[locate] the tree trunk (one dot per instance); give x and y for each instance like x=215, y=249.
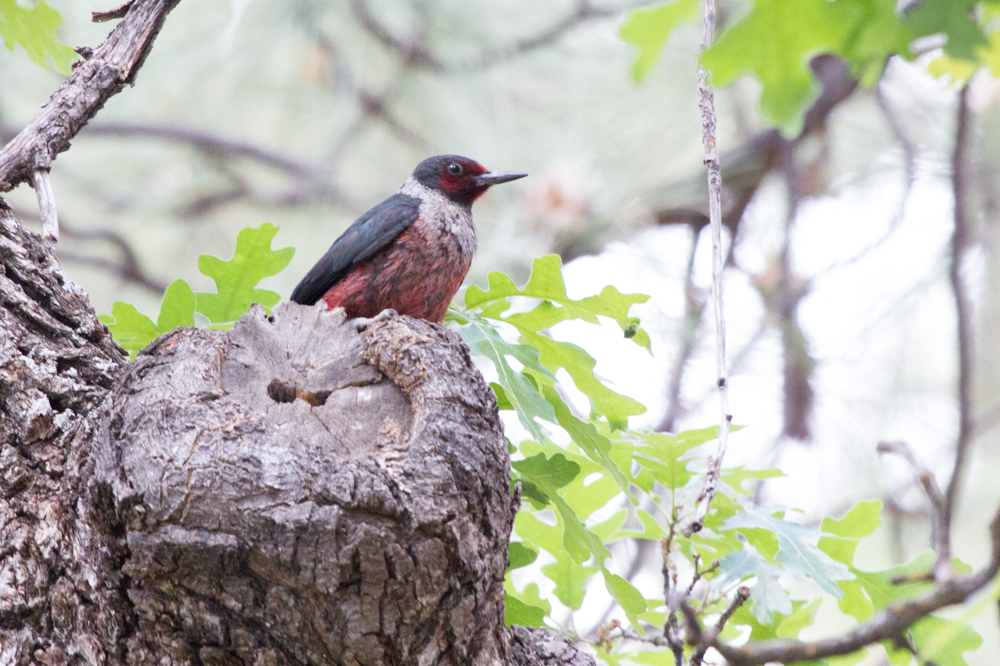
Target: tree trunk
x=303, y=489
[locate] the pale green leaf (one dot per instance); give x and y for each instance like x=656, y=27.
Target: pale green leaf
x=797, y=551
x=177, y=307
x=649, y=29
x=236, y=279
x=34, y=28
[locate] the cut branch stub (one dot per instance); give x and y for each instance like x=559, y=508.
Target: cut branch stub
x=369, y=527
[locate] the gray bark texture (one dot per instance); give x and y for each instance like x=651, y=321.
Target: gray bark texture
x=303, y=489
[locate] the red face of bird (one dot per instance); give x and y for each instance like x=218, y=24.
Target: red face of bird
x=461, y=179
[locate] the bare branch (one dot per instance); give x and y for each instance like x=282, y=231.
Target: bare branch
x=706, y=101
x=698, y=655
x=215, y=145
x=128, y=267
x=888, y=624
x=963, y=308
x=694, y=307
x=910, y=157
x=416, y=54
x=114, y=64
x=940, y=537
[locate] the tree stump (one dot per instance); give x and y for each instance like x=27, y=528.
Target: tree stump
x=303, y=489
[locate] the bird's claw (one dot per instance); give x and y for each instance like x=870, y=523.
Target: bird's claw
x=361, y=323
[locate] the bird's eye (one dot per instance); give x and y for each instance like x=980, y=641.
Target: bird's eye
x=455, y=169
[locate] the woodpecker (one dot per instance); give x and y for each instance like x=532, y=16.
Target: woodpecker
x=411, y=252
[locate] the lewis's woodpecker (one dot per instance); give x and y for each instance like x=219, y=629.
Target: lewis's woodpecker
x=411, y=252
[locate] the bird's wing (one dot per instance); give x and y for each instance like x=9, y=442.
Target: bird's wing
x=369, y=234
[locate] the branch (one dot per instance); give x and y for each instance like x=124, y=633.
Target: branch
x=694, y=307
x=416, y=54
x=127, y=268
x=959, y=240
x=706, y=101
x=888, y=624
x=910, y=157
x=113, y=64
x=940, y=536
x=215, y=145
x=696, y=637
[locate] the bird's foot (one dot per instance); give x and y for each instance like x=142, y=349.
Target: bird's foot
x=361, y=323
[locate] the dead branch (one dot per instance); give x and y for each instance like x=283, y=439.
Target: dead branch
x=706, y=102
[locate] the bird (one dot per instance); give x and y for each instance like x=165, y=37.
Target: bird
x=409, y=253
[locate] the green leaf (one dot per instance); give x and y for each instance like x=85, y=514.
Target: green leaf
x=484, y=340
x=568, y=575
x=796, y=552
x=34, y=28
x=549, y=474
x=768, y=595
x=629, y=598
x=586, y=436
x=556, y=355
x=650, y=528
x=177, y=307
x=649, y=29
x=774, y=42
x=875, y=33
x=526, y=614
x=130, y=328
x=546, y=283
x=520, y=555
x=859, y=522
x=734, y=477
x=945, y=642
x=236, y=279
x=953, y=18
x=660, y=453
x=503, y=402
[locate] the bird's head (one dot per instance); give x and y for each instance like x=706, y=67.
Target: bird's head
x=460, y=179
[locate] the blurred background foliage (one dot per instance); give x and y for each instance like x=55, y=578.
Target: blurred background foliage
x=303, y=113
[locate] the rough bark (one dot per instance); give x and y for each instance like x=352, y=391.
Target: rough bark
x=303, y=489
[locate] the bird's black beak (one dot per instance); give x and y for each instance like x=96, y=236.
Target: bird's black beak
x=496, y=177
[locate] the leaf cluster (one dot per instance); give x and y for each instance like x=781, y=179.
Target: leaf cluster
x=236, y=290
x=775, y=40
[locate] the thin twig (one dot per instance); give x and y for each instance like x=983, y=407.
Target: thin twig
x=694, y=307
x=963, y=308
x=706, y=101
x=940, y=537
x=910, y=158
x=46, y=206
x=889, y=623
x=698, y=654
x=128, y=267
x=416, y=54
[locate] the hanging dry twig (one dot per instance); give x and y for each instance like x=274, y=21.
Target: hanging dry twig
x=706, y=102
